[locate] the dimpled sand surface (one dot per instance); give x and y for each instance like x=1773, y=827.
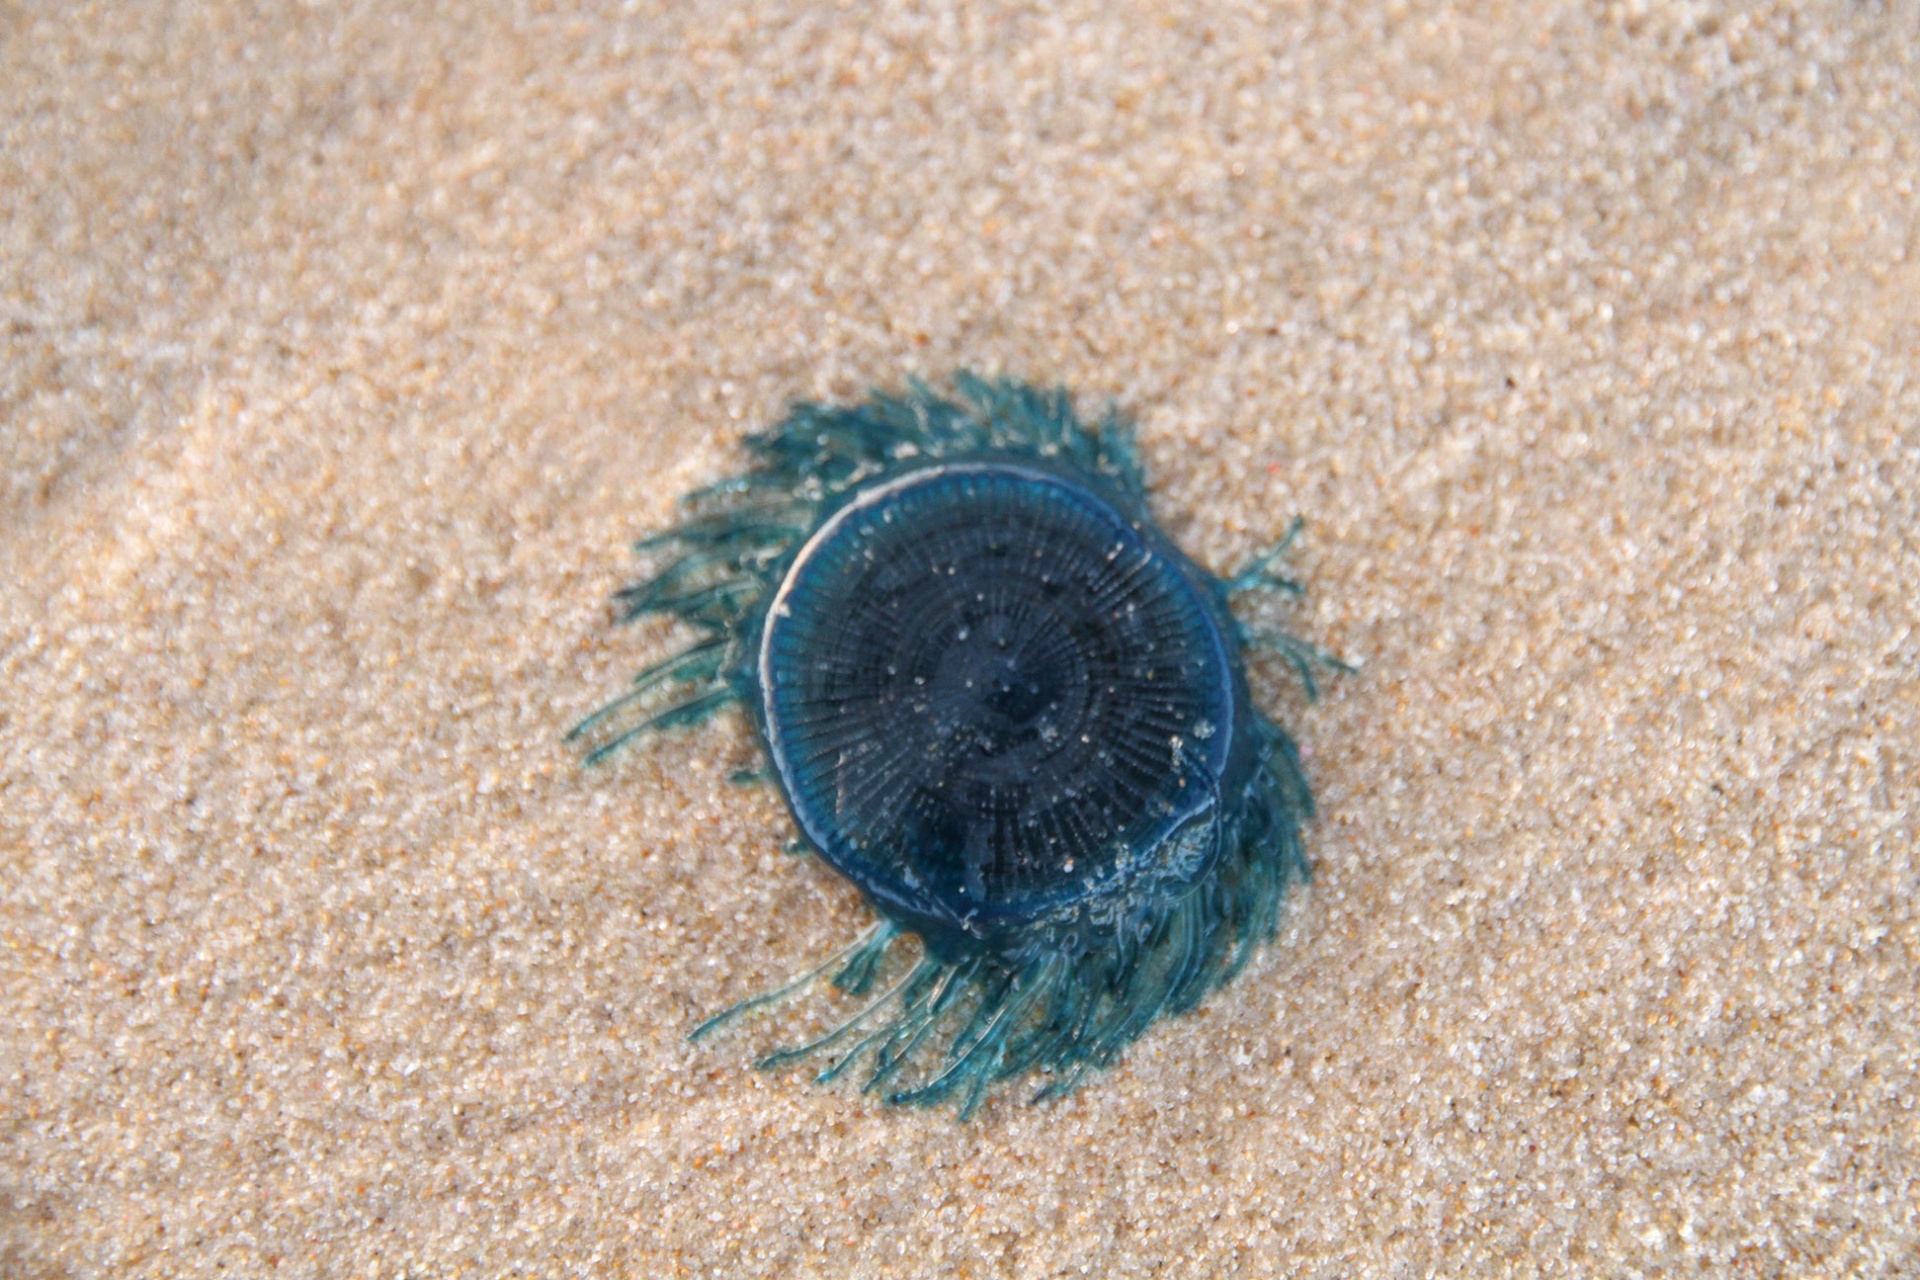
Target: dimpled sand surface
x=342, y=351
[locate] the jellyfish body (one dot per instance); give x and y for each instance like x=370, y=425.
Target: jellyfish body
x=1004, y=706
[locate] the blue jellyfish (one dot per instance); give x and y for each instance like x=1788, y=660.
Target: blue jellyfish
x=999, y=701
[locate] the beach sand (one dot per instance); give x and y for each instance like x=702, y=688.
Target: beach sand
x=343, y=351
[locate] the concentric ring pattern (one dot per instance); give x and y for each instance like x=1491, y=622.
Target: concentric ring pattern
x=985, y=686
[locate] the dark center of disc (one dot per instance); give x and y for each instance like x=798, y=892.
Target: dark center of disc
x=985, y=690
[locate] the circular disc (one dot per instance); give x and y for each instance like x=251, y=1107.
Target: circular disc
x=987, y=692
